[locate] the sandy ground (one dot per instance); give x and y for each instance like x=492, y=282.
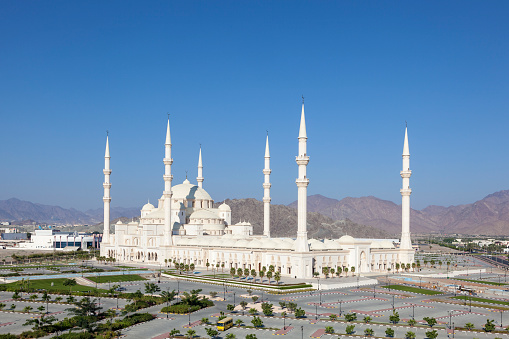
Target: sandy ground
x=7, y=253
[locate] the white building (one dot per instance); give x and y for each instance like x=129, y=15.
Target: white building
x=56, y=240
x=185, y=226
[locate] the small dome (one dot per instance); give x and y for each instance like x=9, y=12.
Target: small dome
x=119, y=222
x=224, y=207
x=148, y=207
x=346, y=239
x=317, y=246
x=186, y=181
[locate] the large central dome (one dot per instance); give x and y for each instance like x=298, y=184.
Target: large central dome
x=188, y=191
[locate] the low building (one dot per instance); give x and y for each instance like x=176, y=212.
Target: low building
x=56, y=240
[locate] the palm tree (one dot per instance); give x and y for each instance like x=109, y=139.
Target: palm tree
x=353, y=270
x=261, y=274
x=253, y=273
x=346, y=271
x=269, y=276
x=277, y=277
x=70, y=283
x=339, y=271
x=232, y=272
x=239, y=272
x=332, y=272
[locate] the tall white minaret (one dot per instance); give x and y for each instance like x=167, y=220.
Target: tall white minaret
x=200, y=178
x=302, y=183
x=106, y=197
x=266, y=191
x=167, y=187
x=406, y=243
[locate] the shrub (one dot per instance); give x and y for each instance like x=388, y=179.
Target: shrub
x=389, y=332
x=329, y=329
x=369, y=332
x=432, y=334
x=410, y=335
x=257, y=322
x=350, y=329
x=351, y=317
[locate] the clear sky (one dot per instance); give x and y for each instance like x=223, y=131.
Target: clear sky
x=227, y=71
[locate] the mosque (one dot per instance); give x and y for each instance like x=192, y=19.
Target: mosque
x=186, y=227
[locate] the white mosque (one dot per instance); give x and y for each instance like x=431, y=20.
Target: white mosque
x=186, y=227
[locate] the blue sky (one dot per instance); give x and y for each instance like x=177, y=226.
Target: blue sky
x=227, y=71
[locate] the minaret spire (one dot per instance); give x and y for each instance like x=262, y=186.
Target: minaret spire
x=200, y=178
x=106, y=197
x=266, y=190
x=406, y=243
x=302, y=183
x=168, y=161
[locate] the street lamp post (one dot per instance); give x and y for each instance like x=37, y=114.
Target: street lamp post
x=302, y=332
x=374, y=292
x=470, y=304
x=413, y=311
x=284, y=321
x=233, y=298
x=117, y=300
x=340, y=312
x=420, y=282
x=501, y=323
x=189, y=318
x=316, y=314
x=453, y=330
x=450, y=318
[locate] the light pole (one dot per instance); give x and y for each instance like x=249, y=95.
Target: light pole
x=501, y=312
x=233, y=298
x=189, y=318
x=302, y=332
x=316, y=314
x=374, y=292
x=453, y=330
x=393, y=302
x=420, y=282
x=117, y=300
x=284, y=320
x=450, y=318
x=470, y=304
x=413, y=311
x=340, y=312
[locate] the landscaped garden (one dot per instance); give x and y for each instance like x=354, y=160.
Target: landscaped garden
x=116, y=278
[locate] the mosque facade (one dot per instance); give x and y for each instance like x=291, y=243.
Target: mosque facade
x=187, y=228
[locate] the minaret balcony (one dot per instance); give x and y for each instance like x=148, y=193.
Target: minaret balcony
x=168, y=177
x=107, y=185
x=267, y=185
x=266, y=200
x=106, y=171
x=302, y=160
x=302, y=182
x=406, y=174
x=267, y=171
x=168, y=161
x=106, y=199
x=405, y=191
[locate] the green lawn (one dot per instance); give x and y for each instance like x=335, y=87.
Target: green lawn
x=482, y=282
x=483, y=300
x=132, y=268
x=58, y=284
x=412, y=289
x=116, y=278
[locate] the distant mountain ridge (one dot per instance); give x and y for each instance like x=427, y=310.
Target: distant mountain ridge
x=489, y=216
x=15, y=210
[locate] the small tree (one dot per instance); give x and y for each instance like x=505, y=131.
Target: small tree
x=239, y=322
x=213, y=294
x=254, y=298
x=243, y=304
x=257, y=322
x=269, y=276
x=253, y=274
x=300, y=313
x=369, y=332
x=2, y=305
x=261, y=274
x=430, y=320
x=389, y=332
x=211, y=332
x=339, y=271
x=230, y=336
x=27, y=309
x=346, y=271
x=394, y=318
x=469, y=326
x=239, y=272
x=40, y=309
x=191, y=333
x=350, y=329
x=253, y=311
x=208, y=265
x=431, y=334
x=351, y=317
x=232, y=272
x=397, y=267
x=332, y=271
x=174, y=332
x=489, y=326
x=410, y=335
x=251, y=336
x=70, y=283
x=367, y=319
x=333, y=317
x=204, y=320
x=329, y=329
x=267, y=309
x=353, y=270
x=411, y=322
x=230, y=307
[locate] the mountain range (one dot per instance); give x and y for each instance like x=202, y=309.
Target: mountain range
x=488, y=216
x=327, y=217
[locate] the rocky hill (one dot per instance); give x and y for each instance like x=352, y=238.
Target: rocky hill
x=283, y=221
x=489, y=216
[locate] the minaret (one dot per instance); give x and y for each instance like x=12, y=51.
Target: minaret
x=200, y=178
x=266, y=191
x=167, y=187
x=406, y=243
x=302, y=183
x=106, y=197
